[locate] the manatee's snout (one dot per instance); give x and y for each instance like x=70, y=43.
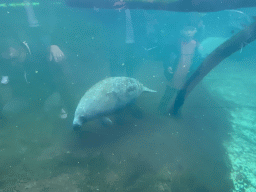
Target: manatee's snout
x=76, y=127
x=78, y=122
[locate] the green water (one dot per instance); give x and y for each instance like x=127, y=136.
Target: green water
x=202, y=150
x=153, y=153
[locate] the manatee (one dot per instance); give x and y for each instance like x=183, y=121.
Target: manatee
x=106, y=97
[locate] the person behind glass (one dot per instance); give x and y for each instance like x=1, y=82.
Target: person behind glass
x=58, y=68
x=55, y=53
x=35, y=39
x=12, y=57
x=179, y=68
x=123, y=59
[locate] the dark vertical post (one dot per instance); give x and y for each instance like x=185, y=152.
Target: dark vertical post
x=229, y=47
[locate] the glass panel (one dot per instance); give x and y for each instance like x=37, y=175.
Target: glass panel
x=130, y=95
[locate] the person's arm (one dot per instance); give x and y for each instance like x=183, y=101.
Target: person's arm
x=34, y=25
x=44, y=35
x=171, y=54
x=170, y=62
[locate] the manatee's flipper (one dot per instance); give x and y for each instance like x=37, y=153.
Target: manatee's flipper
x=148, y=90
x=229, y=47
x=105, y=121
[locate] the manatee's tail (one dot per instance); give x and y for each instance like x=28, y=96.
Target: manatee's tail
x=148, y=90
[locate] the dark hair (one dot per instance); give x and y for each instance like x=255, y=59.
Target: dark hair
x=9, y=42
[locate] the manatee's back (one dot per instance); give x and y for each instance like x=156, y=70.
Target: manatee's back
x=127, y=89
x=99, y=99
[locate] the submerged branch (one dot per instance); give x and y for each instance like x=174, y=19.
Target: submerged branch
x=229, y=47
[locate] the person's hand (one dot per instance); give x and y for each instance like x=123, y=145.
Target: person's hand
x=56, y=54
x=169, y=69
x=120, y=5
x=5, y=80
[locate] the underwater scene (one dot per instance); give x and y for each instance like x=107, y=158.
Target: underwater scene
x=127, y=95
